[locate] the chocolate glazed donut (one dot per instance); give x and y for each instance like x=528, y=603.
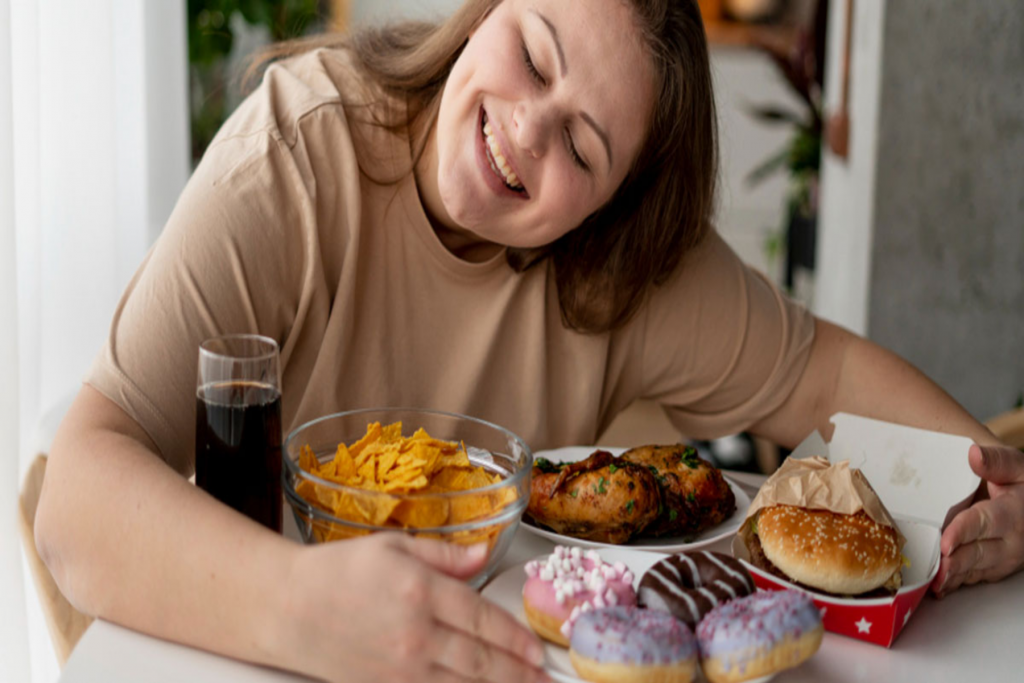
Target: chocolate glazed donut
x=689, y=585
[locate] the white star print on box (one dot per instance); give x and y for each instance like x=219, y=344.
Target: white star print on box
x=863, y=626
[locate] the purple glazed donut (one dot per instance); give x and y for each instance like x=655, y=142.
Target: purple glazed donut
x=758, y=635
x=632, y=645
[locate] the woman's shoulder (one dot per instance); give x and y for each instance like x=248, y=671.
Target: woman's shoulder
x=311, y=109
x=291, y=90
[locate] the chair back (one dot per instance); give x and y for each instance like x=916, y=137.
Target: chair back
x=1009, y=427
x=65, y=623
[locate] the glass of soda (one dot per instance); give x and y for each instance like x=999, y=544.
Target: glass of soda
x=238, y=425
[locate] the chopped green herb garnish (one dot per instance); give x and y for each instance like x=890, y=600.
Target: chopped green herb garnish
x=629, y=506
x=574, y=493
x=546, y=466
x=689, y=457
x=661, y=509
x=690, y=497
x=672, y=514
x=654, y=470
x=612, y=469
x=600, y=485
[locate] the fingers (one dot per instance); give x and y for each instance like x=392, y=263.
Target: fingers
x=455, y=560
x=972, y=563
x=997, y=464
x=471, y=658
x=987, y=519
x=978, y=556
x=459, y=607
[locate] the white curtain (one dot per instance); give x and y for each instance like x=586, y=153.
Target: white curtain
x=13, y=640
x=94, y=150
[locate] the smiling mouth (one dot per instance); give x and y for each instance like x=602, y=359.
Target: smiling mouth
x=498, y=163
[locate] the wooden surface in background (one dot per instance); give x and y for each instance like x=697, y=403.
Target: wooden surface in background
x=341, y=16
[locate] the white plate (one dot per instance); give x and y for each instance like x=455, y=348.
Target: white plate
x=506, y=591
x=667, y=544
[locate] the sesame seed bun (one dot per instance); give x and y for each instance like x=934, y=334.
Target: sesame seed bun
x=835, y=553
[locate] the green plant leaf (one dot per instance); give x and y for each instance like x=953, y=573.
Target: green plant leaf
x=771, y=114
x=768, y=167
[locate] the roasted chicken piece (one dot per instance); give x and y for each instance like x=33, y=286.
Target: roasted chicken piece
x=694, y=494
x=601, y=498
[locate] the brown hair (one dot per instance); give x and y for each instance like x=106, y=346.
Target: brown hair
x=604, y=268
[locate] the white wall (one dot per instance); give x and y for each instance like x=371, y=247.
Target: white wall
x=749, y=216
x=367, y=11
x=846, y=215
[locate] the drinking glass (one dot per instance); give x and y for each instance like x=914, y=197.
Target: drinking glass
x=238, y=425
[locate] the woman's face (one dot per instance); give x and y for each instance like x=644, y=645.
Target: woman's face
x=540, y=120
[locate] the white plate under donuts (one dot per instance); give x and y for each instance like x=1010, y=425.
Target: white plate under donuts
x=506, y=590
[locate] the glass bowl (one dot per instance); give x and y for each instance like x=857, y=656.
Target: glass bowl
x=327, y=511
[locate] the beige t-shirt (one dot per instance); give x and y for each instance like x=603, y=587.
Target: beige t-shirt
x=284, y=230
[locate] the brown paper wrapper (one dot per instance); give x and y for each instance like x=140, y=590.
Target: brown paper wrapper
x=817, y=484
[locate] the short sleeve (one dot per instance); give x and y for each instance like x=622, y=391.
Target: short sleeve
x=723, y=347
x=231, y=259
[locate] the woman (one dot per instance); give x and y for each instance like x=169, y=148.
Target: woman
x=505, y=216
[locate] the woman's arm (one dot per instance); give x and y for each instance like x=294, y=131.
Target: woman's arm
x=850, y=374
x=847, y=373
x=129, y=540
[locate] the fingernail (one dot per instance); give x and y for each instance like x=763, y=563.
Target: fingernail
x=536, y=654
x=477, y=552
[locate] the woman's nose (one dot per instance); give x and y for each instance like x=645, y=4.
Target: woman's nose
x=530, y=127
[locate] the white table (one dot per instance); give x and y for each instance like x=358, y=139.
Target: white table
x=974, y=635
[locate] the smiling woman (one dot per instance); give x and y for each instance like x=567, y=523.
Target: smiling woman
x=602, y=113
x=506, y=215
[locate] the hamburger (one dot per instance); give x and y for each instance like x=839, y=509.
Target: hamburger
x=840, y=554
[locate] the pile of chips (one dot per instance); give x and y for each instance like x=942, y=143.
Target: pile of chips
x=384, y=465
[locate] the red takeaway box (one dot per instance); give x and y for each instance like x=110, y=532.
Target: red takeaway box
x=923, y=479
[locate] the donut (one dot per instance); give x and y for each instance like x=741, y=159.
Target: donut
x=633, y=645
x=568, y=583
x=758, y=635
x=691, y=584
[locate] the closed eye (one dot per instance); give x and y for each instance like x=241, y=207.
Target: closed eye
x=530, y=67
x=573, y=154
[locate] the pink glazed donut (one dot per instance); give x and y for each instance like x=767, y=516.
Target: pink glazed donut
x=570, y=582
x=758, y=635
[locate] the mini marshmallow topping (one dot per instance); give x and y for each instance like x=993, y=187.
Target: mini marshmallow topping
x=568, y=571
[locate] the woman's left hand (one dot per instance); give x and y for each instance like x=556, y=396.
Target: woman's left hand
x=985, y=542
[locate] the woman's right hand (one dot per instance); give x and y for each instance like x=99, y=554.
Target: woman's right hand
x=389, y=607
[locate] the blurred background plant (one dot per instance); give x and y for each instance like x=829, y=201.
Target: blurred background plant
x=221, y=33
x=801, y=62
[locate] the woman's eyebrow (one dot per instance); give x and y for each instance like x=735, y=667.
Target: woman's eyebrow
x=564, y=70
x=558, y=43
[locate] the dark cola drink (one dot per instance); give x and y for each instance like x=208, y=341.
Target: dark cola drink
x=238, y=448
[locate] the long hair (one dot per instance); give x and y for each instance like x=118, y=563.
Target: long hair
x=605, y=268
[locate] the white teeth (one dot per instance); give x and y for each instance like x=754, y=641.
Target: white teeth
x=499, y=162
